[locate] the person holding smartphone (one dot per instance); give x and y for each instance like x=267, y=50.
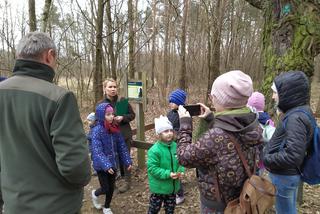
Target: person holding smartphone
x=221, y=172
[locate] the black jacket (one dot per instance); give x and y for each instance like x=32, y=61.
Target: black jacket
x=173, y=117
x=295, y=135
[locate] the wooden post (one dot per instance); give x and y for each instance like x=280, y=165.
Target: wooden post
x=125, y=84
x=144, y=92
x=140, y=123
x=140, y=134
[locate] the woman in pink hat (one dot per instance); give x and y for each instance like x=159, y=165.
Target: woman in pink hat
x=221, y=172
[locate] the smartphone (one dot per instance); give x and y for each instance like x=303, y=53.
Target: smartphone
x=194, y=109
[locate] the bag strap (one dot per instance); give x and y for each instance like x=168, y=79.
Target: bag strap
x=311, y=118
x=242, y=158
x=244, y=162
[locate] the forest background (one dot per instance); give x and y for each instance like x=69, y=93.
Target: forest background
x=176, y=43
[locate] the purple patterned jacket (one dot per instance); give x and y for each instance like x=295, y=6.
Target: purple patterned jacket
x=214, y=154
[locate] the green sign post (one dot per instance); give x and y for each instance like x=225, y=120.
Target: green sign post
x=136, y=92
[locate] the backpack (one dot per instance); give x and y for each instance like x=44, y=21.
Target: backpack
x=257, y=194
x=310, y=170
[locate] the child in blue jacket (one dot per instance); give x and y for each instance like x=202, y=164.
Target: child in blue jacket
x=106, y=145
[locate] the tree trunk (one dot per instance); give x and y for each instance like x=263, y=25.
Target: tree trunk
x=166, y=65
x=214, y=63
x=291, y=37
x=154, y=32
x=97, y=82
x=45, y=15
x=32, y=16
x=131, y=40
x=111, y=42
x=213, y=55
x=182, y=74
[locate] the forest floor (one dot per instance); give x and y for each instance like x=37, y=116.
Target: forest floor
x=136, y=199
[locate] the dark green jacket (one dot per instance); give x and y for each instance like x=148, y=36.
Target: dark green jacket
x=43, y=150
x=162, y=160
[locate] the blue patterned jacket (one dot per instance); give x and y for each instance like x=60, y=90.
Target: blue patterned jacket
x=105, y=147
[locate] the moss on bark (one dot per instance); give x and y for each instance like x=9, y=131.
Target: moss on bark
x=291, y=40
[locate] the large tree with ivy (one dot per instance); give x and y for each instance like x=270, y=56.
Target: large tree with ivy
x=291, y=36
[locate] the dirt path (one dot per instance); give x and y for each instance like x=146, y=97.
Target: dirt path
x=136, y=199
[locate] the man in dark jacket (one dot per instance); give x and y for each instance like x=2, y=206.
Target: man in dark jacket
x=284, y=154
x=1, y=201
x=124, y=115
x=43, y=151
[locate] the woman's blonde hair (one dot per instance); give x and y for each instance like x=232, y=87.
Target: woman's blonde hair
x=108, y=80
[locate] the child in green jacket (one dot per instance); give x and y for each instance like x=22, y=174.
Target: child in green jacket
x=164, y=170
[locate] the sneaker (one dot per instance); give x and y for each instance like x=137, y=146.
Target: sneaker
x=179, y=200
x=107, y=211
x=95, y=201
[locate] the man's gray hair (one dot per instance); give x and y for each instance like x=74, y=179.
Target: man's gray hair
x=32, y=46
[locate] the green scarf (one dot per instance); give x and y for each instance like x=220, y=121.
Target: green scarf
x=243, y=110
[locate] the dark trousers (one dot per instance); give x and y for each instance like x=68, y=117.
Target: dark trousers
x=180, y=193
x=156, y=200
x=106, y=181
x=123, y=169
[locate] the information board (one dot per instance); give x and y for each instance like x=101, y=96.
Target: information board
x=135, y=90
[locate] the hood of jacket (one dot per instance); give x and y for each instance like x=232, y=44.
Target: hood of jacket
x=244, y=125
x=101, y=111
x=293, y=90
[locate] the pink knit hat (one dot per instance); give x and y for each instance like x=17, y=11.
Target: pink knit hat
x=257, y=101
x=109, y=109
x=232, y=89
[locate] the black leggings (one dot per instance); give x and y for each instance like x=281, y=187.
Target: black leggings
x=106, y=181
x=155, y=203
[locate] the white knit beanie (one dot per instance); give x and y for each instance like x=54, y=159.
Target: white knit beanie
x=91, y=116
x=162, y=124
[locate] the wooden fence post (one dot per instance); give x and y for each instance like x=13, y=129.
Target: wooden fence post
x=140, y=134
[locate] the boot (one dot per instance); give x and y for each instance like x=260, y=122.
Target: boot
x=126, y=184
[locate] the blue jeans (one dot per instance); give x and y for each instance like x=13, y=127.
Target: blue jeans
x=287, y=186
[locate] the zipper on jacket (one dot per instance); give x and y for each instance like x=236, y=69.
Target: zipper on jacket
x=174, y=186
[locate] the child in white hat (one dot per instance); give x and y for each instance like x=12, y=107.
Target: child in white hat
x=164, y=170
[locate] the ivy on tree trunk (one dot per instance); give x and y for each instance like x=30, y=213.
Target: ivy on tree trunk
x=291, y=37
